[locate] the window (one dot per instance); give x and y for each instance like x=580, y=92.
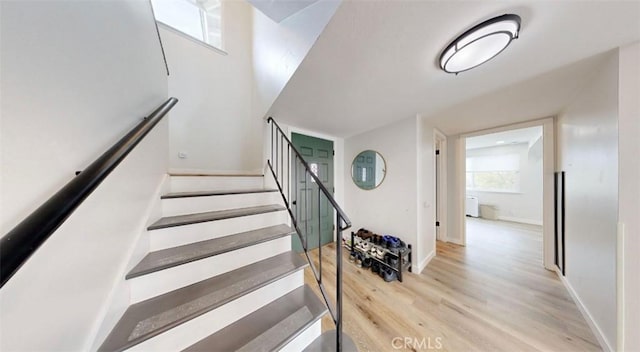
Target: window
x=494, y=173
x=199, y=19
x=314, y=169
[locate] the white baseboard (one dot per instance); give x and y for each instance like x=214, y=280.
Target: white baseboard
x=604, y=343
x=520, y=220
x=423, y=264
x=457, y=241
x=443, y=238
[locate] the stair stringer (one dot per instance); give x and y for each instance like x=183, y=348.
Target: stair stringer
x=118, y=300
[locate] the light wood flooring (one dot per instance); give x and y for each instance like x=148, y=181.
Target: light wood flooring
x=492, y=295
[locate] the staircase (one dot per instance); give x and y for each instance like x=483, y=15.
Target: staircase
x=217, y=272
x=219, y=275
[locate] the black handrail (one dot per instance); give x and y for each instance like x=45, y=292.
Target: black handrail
x=279, y=175
x=313, y=175
x=23, y=240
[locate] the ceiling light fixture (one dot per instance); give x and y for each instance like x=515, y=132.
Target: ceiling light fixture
x=480, y=43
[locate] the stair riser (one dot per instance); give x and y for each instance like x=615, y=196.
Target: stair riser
x=179, y=235
x=189, y=205
x=304, y=339
x=154, y=284
x=185, y=335
x=204, y=183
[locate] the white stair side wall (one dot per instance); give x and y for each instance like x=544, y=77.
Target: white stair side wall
x=180, y=235
x=119, y=298
x=163, y=281
x=189, y=205
x=187, y=334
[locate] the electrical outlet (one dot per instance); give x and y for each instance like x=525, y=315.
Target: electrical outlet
x=182, y=155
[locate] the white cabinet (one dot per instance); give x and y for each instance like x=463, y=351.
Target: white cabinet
x=471, y=206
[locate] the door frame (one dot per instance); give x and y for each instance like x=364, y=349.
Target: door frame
x=548, y=169
x=440, y=143
x=338, y=161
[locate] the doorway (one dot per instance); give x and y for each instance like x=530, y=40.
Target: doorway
x=315, y=218
x=503, y=200
x=507, y=179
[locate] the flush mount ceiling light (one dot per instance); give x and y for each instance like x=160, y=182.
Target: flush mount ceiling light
x=480, y=43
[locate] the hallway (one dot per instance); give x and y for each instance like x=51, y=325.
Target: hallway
x=493, y=295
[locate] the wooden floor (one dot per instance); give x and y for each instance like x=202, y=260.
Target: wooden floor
x=492, y=295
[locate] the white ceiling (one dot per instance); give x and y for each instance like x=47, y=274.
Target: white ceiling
x=524, y=135
x=376, y=63
x=278, y=10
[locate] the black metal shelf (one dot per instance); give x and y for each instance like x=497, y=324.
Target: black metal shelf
x=403, y=266
x=402, y=256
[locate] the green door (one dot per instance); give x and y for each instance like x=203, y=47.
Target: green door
x=318, y=153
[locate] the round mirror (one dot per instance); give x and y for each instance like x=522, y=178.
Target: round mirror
x=368, y=169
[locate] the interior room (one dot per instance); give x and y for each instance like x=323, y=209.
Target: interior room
x=504, y=190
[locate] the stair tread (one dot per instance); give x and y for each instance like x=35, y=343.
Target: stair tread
x=171, y=257
x=187, y=219
x=146, y=319
x=268, y=328
x=217, y=193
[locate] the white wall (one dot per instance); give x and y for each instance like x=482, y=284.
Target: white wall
x=396, y=205
x=526, y=204
x=76, y=76
x=629, y=193
x=224, y=96
x=213, y=124
x=279, y=48
x=391, y=207
x=588, y=152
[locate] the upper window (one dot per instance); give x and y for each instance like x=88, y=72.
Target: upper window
x=495, y=173
x=199, y=19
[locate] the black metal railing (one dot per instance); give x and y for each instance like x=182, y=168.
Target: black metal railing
x=23, y=240
x=285, y=157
